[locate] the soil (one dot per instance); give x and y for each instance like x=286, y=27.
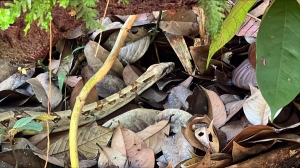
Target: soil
x=35, y=45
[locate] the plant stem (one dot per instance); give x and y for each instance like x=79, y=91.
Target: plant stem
x=80, y=99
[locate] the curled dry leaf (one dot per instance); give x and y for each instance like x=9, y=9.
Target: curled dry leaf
x=41, y=86
x=136, y=44
x=216, y=108
x=247, y=134
x=189, y=131
x=257, y=109
x=213, y=139
x=77, y=32
x=244, y=75
x=240, y=153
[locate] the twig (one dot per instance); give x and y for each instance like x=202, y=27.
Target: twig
x=80, y=99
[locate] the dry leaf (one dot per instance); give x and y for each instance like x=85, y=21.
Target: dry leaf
x=256, y=109
x=183, y=22
x=239, y=152
x=137, y=152
x=176, y=149
x=155, y=135
x=216, y=108
x=92, y=97
x=96, y=62
x=16, y=80
x=109, y=85
x=232, y=128
x=177, y=98
x=41, y=87
x=179, y=118
x=88, y=138
x=130, y=74
x=136, y=44
x=190, y=129
x=110, y=157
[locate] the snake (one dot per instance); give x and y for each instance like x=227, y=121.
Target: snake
x=60, y=121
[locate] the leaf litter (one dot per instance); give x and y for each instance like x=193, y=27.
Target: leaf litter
x=217, y=117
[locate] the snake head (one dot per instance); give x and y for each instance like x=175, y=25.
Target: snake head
x=161, y=69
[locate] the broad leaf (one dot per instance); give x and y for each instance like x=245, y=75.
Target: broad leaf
x=278, y=59
x=32, y=126
x=230, y=26
x=23, y=121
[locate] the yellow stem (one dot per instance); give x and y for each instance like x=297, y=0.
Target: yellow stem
x=80, y=99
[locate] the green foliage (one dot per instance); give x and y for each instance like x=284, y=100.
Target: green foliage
x=41, y=10
x=213, y=10
x=230, y=26
x=27, y=124
x=278, y=47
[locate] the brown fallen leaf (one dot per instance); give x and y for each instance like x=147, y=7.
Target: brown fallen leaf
x=155, y=135
x=216, y=108
x=137, y=152
x=92, y=97
x=110, y=157
x=88, y=137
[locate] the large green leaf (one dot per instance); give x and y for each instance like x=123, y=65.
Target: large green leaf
x=230, y=26
x=278, y=54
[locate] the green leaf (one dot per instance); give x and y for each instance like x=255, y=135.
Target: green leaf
x=230, y=26
x=278, y=58
x=23, y=121
x=35, y=126
x=2, y=132
x=61, y=78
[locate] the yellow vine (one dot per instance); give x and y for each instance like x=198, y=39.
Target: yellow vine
x=80, y=99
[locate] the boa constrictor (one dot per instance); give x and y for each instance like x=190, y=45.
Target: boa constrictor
x=96, y=110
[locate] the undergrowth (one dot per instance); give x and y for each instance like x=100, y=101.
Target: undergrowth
x=40, y=10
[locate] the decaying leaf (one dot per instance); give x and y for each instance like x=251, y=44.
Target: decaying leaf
x=88, y=137
x=182, y=22
x=176, y=149
x=96, y=62
x=110, y=157
x=40, y=85
x=177, y=98
x=133, y=147
x=136, y=44
x=216, y=108
x=256, y=109
x=155, y=135
x=179, y=118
